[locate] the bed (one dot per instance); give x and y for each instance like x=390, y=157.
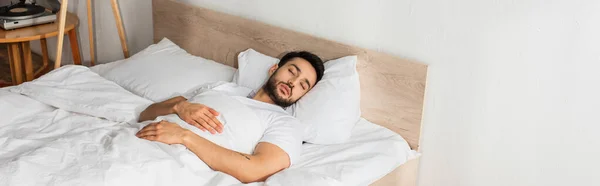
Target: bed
x=397, y=107
x=75, y=125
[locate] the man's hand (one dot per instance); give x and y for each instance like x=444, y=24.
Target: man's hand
x=200, y=116
x=165, y=132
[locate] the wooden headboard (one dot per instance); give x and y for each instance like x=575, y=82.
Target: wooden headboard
x=392, y=88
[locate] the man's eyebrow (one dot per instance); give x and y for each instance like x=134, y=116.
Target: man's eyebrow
x=298, y=69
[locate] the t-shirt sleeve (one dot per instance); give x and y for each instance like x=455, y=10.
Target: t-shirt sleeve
x=286, y=132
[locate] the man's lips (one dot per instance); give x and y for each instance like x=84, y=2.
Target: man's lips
x=285, y=89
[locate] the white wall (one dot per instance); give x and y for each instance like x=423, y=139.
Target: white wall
x=137, y=18
x=512, y=87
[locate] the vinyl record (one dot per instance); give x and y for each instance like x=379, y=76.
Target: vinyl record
x=21, y=11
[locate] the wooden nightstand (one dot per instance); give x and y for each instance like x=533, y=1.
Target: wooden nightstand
x=19, y=51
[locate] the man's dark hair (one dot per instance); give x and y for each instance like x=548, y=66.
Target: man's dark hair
x=313, y=59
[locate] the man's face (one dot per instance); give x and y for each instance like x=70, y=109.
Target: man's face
x=290, y=82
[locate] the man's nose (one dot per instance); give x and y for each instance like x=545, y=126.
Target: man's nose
x=293, y=82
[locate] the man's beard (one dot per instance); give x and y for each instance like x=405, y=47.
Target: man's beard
x=271, y=89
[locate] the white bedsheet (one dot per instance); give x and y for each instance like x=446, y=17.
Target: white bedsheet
x=372, y=152
x=72, y=127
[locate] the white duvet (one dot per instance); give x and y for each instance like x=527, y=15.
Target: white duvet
x=73, y=127
x=54, y=134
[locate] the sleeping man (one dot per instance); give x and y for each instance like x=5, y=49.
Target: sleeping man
x=251, y=136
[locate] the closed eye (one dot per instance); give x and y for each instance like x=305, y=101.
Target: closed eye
x=306, y=83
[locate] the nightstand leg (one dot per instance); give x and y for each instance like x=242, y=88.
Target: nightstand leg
x=15, y=57
x=74, y=47
x=45, y=59
x=10, y=62
x=27, y=61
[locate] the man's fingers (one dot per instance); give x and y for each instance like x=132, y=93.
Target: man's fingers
x=200, y=122
x=148, y=127
x=196, y=124
x=213, y=111
x=151, y=138
x=206, y=122
x=214, y=122
x=147, y=133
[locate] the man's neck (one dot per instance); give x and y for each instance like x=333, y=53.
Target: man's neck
x=261, y=95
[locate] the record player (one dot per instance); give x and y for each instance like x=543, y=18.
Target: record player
x=24, y=14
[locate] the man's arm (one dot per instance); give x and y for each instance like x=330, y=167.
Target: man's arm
x=266, y=160
x=194, y=114
x=160, y=109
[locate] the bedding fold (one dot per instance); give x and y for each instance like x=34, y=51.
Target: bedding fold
x=73, y=127
x=77, y=89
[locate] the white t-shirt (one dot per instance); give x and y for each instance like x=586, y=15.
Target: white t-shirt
x=282, y=129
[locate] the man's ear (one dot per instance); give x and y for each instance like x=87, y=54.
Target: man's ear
x=273, y=69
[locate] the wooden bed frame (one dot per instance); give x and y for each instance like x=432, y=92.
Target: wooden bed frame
x=392, y=88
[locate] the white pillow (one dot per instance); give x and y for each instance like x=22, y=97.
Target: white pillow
x=253, y=69
x=372, y=152
x=164, y=70
x=102, y=69
x=330, y=109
